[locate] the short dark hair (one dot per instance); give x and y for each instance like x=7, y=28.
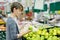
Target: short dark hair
x=16, y=5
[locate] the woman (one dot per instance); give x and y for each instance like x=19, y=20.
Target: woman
x=12, y=31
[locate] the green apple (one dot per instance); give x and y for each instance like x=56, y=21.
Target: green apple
x=26, y=35
x=30, y=28
x=54, y=33
x=55, y=38
x=58, y=32
x=34, y=35
x=50, y=38
x=58, y=38
x=28, y=38
x=36, y=38
x=39, y=32
x=43, y=33
x=46, y=35
x=30, y=34
x=42, y=38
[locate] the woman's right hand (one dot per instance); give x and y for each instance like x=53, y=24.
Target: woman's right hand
x=23, y=33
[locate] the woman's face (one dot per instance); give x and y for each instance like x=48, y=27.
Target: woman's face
x=18, y=13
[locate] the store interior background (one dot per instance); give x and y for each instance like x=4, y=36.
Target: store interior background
x=44, y=11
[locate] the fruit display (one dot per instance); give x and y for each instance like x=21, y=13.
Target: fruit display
x=43, y=34
x=2, y=22
x=2, y=30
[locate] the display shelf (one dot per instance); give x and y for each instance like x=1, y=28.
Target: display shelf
x=51, y=33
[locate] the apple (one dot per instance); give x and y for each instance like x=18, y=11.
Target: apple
x=58, y=38
x=26, y=35
x=30, y=28
x=43, y=33
x=46, y=35
x=58, y=32
x=50, y=38
x=34, y=35
x=55, y=38
x=37, y=37
x=39, y=32
x=42, y=38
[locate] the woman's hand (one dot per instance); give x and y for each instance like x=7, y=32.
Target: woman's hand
x=22, y=33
